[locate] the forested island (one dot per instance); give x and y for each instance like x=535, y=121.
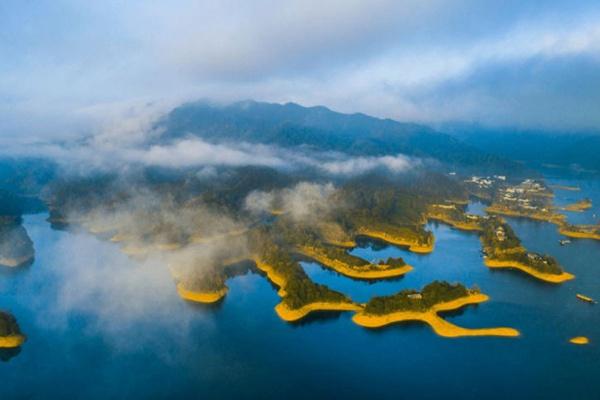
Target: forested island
x=503, y=249
x=16, y=248
x=581, y=205
x=10, y=333
x=424, y=306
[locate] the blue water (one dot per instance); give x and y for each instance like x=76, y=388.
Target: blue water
x=100, y=325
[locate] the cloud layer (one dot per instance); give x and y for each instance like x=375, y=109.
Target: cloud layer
x=531, y=64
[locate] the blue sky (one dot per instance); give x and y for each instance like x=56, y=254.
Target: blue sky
x=70, y=67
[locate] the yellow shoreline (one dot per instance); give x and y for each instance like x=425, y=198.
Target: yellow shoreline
x=290, y=315
x=557, y=219
x=579, y=340
x=201, y=297
x=552, y=278
x=12, y=341
x=346, y=244
x=578, y=235
x=395, y=240
x=564, y=187
x=455, y=224
x=272, y=275
x=344, y=269
x=580, y=206
x=439, y=325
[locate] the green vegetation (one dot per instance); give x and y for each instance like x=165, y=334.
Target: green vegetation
x=501, y=243
x=8, y=325
x=394, y=262
x=299, y=289
x=412, y=300
x=454, y=215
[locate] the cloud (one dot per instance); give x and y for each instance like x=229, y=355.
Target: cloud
x=386, y=58
x=303, y=202
x=360, y=165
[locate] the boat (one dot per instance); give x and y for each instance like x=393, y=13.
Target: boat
x=564, y=242
x=585, y=298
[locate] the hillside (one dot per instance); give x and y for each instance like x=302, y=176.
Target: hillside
x=322, y=129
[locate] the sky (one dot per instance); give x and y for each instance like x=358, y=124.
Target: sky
x=69, y=68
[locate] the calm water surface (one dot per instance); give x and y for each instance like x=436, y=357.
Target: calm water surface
x=102, y=326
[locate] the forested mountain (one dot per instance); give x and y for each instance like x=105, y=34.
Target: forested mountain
x=322, y=129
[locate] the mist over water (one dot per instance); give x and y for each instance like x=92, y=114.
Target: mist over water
x=117, y=328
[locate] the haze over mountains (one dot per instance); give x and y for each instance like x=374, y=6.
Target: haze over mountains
x=321, y=129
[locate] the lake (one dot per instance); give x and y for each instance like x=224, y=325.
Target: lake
x=101, y=325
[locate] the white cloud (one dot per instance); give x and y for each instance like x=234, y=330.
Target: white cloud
x=386, y=58
x=303, y=202
x=360, y=165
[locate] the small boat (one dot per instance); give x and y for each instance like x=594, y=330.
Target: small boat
x=564, y=242
x=585, y=298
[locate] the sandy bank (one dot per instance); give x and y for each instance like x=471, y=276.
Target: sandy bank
x=580, y=206
x=438, y=324
x=578, y=234
x=397, y=240
x=346, y=244
x=579, y=340
x=463, y=226
x=557, y=219
x=290, y=315
x=272, y=275
x=552, y=278
x=565, y=187
x=200, y=297
x=382, y=272
x=12, y=341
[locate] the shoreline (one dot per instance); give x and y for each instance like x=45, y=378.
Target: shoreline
x=272, y=275
x=291, y=315
x=201, y=297
x=565, y=187
x=578, y=235
x=398, y=241
x=551, y=278
x=557, y=219
x=455, y=224
x=579, y=340
x=345, y=270
x=439, y=325
x=11, y=342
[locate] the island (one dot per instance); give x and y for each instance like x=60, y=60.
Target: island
x=10, y=333
x=579, y=340
x=354, y=267
x=579, y=206
x=16, y=248
x=425, y=306
x=455, y=216
x=503, y=249
x=580, y=231
x=566, y=188
x=415, y=239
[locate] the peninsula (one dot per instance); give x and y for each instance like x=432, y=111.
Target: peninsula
x=579, y=206
x=424, y=306
x=503, y=249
